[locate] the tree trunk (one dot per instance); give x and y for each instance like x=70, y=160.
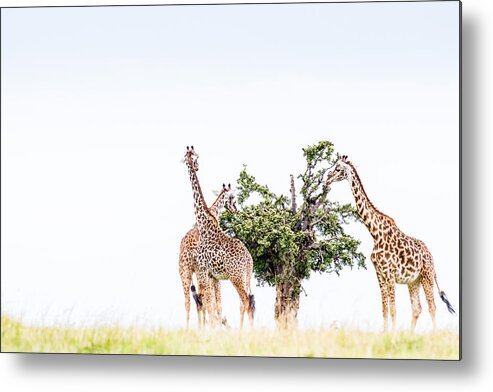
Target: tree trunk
x=294, y=208
x=287, y=303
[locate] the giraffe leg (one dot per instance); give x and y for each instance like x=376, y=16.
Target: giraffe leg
x=211, y=302
x=415, y=302
x=391, y=295
x=242, y=313
x=186, y=293
x=217, y=291
x=239, y=286
x=208, y=291
x=201, y=308
x=186, y=278
x=385, y=301
x=428, y=288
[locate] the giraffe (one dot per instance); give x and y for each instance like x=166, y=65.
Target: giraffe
x=219, y=256
x=187, y=263
x=397, y=257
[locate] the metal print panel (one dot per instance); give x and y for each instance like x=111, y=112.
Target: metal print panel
x=273, y=180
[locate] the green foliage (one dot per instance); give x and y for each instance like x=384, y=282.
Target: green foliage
x=288, y=243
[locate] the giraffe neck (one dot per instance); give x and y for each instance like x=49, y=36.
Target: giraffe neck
x=205, y=221
x=216, y=207
x=371, y=217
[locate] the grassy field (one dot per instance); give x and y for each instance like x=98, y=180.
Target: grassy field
x=258, y=342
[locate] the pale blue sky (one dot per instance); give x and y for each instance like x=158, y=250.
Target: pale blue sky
x=98, y=105
x=223, y=42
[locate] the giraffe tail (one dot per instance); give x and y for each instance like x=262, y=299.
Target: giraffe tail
x=196, y=297
x=251, y=302
x=444, y=298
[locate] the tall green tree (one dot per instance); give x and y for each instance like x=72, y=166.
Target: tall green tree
x=288, y=242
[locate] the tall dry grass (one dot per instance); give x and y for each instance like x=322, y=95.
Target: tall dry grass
x=326, y=343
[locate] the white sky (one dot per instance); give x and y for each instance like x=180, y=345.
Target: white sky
x=98, y=105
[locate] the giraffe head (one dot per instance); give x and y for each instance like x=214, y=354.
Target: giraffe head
x=341, y=171
x=191, y=158
x=230, y=199
x=225, y=199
